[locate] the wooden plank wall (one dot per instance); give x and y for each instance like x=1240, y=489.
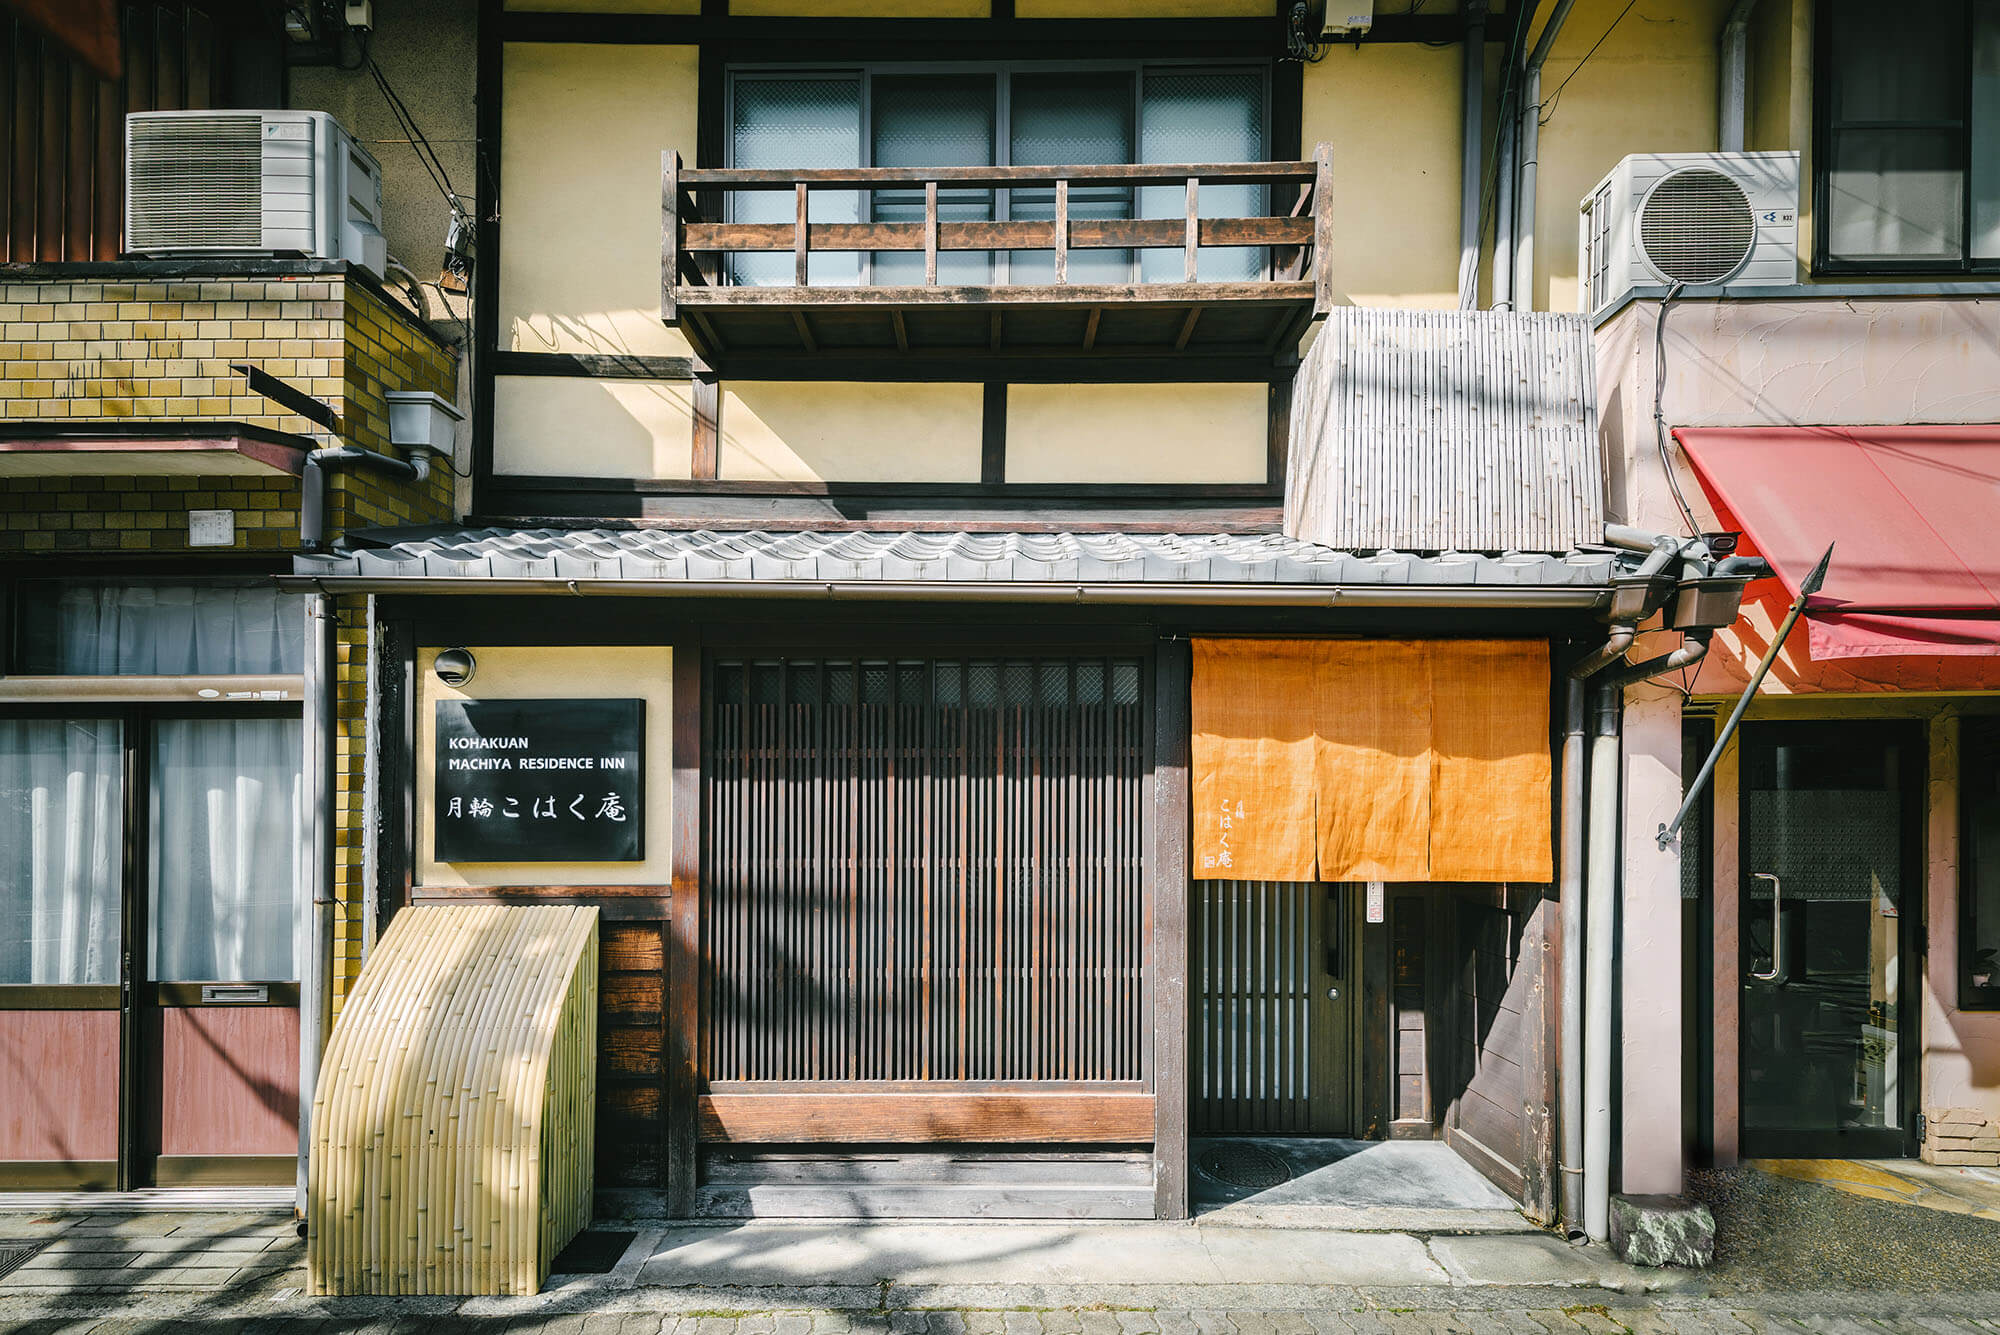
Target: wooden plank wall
x=631, y=1042
x=921, y=875
x=63, y=173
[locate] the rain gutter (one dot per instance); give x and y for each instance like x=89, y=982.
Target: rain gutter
x=1530, y=597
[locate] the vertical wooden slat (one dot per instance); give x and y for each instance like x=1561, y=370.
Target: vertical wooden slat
x=199, y=85
x=50, y=152
x=169, y=58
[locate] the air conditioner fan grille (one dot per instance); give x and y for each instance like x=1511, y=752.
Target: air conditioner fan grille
x=196, y=182
x=1697, y=226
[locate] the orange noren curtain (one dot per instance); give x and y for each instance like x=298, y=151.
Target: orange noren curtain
x=1491, y=781
x=1371, y=760
x=1374, y=760
x=1252, y=750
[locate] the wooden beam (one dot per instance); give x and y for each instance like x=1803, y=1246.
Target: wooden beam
x=671, y=223
x=1322, y=242
x=800, y=323
x=1190, y=261
x=1168, y=814
x=1048, y=1117
x=707, y=446
x=993, y=435
x=1061, y=228
x=801, y=237
x=902, y=331
x=683, y=944
x=1130, y=295
x=1090, y=328
x=930, y=233
x=702, y=238
x=1187, y=328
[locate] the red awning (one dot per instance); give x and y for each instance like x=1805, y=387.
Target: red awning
x=1914, y=512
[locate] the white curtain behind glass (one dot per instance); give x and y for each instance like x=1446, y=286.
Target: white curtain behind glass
x=1202, y=116
x=61, y=845
x=793, y=124
x=228, y=818
x=168, y=630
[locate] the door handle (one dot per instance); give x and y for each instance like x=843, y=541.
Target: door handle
x=1777, y=928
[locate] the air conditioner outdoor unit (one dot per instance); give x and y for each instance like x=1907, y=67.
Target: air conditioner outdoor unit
x=251, y=183
x=1701, y=219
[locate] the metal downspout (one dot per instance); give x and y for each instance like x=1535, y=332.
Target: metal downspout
x=316, y=985
x=1733, y=76
x=1599, y=936
x=1527, y=151
x=1569, y=1060
x=1471, y=156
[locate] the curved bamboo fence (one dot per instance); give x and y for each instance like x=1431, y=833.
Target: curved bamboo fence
x=453, y=1128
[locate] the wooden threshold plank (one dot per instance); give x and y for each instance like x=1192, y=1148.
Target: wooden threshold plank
x=915, y=1118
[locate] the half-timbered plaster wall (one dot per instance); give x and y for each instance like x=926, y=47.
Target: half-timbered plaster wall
x=1137, y=433
x=622, y=672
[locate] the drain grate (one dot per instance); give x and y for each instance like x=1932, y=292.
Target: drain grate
x=1240, y=1165
x=14, y=1255
x=592, y=1252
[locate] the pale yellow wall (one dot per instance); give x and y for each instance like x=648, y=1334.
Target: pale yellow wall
x=583, y=128
x=549, y=425
x=863, y=9
x=838, y=431
x=1137, y=433
x=1390, y=111
x=1146, y=9
x=608, y=6
x=1650, y=88
x=612, y=672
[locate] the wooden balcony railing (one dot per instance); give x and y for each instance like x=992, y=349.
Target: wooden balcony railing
x=724, y=285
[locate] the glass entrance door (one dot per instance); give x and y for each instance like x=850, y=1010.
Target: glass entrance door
x=1830, y=914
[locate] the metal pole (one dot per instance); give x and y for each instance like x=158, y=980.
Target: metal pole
x=1471, y=156
x=1807, y=589
x=315, y=974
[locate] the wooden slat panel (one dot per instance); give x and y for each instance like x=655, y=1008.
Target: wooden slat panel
x=925, y=871
x=1258, y=983
x=902, y=1118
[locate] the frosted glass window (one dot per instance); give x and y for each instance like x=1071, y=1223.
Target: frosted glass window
x=1986, y=131
x=228, y=833
x=84, y=628
x=797, y=123
x=1063, y=119
x=933, y=120
x=1910, y=160
x=1202, y=116
x=62, y=845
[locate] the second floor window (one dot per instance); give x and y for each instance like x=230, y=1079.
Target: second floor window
x=993, y=115
x=1908, y=154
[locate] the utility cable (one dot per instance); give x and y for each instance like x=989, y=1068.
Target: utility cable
x=1659, y=400
x=1549, y=107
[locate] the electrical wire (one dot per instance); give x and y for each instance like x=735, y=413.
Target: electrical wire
x=420, y=144
x=1549, y=107
x=1659, y=400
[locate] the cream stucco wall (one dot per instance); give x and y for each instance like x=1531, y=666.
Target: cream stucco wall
x=1143, y=9
x=608, y=6
x=862, y=9
x=552, y=426
x=584, y=125
x=1391, y=112
x=844, y=431
x=621, y=672
x=1137, y=433
x=1649, y=88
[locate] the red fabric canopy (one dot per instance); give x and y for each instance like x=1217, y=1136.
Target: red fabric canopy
x=1913, y=511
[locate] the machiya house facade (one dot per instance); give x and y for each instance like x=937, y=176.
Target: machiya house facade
x=1057, y=582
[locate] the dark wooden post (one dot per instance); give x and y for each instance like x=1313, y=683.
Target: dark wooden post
x=1169, y=886
x=1322, y=257
x=670, y=234
x=683, y=953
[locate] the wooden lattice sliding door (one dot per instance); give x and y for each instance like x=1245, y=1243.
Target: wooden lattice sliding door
x=924, y=912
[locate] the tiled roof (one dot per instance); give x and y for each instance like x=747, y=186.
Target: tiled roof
x=665, y=555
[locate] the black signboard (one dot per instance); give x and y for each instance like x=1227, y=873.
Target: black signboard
x=540, y=781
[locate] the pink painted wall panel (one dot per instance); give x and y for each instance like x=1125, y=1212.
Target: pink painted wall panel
x=58, y=1086
x=229, y=1080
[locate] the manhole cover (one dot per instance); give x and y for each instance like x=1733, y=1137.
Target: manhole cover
x=592, y=1252
x=1243, y=1166
x=14, y=1255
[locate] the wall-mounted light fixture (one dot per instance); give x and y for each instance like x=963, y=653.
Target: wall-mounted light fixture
x=454, y=667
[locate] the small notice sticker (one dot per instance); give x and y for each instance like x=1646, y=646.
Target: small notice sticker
x=1377, y=902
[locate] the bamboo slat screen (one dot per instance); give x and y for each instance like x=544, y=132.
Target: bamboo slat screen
x=453, y=1129
x=63, y=176
x=925, y=870
x=1256, y=1048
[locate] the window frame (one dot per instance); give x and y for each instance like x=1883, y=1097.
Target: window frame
x=865, y=72
x=1826, y=78
x=1979, y=741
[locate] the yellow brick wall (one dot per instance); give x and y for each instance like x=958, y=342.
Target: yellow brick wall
x=350, y=889
x=142, y=515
